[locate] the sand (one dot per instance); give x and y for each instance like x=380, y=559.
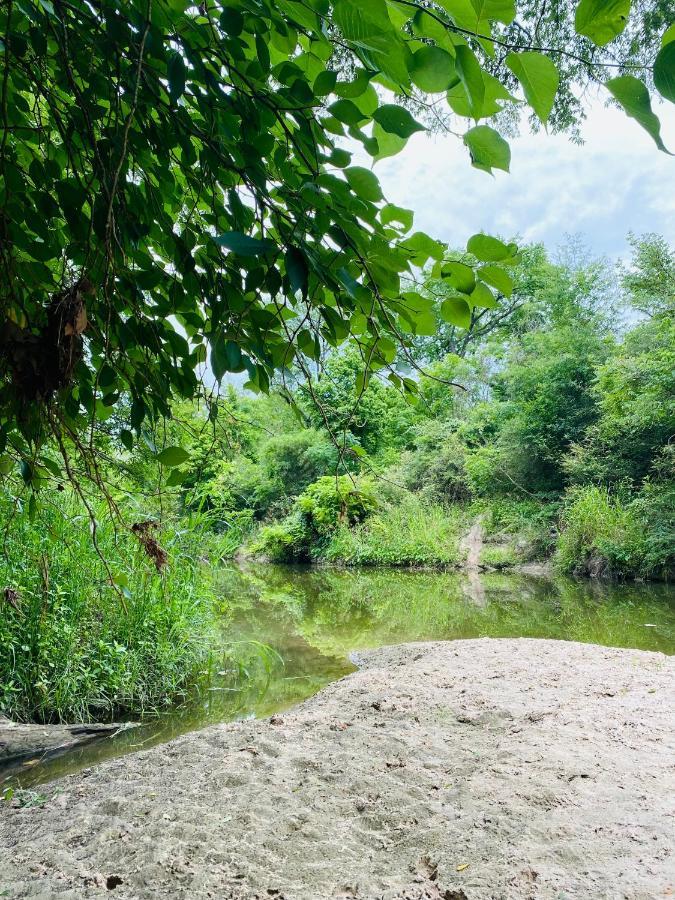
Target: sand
x=447, y=771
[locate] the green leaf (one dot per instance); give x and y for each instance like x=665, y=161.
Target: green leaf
x=176, y=74
x=6, y=464
x=356, y=86
x=232, y=21
x=487, y=248
x=127, y=439
x=668, y=35
x=495, y=10
x=364, y=24
x=364, y=183
x=540, y=79
x=482, y=296
x=432, y=69
x=347, y=111
x=664, y=71
x=488, y=149
x=493, y=92
x=601, y=20
x=391, y=213
x=396, y=120
x=243, y=244
x=297, y=270
x=459, y=275
x=471, y=76
x=387, y=144
x=324, y=83
x=456, y=311
x=176, y=477
x=172, y=456
x=498, y=278
x=634, y=98
x=423, y=248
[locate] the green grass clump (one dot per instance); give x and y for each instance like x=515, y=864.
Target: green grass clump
x=72, y=648
x=410, y=533
x=499, y=557
x=601, y=536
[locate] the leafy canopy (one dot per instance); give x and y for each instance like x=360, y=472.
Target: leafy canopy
x=177, y=189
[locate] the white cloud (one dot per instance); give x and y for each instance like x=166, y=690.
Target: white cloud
x=618, y=181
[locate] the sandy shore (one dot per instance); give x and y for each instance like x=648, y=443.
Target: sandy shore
x=446, y=771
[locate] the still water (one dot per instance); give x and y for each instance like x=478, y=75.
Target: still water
x=291, y=630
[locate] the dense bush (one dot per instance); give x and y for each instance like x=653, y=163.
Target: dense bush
x=329, y=503
x=436, y=466
x=413, y=532
x=601, y=535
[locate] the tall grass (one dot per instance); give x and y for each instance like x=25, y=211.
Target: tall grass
x=75, y=647
x=410, y=533
x=601, y=535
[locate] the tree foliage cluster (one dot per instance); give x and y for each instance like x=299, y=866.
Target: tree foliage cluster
x=557, y=401
x=178, y=189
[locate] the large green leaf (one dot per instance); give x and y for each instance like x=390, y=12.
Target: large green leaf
x=433, y=69
x=391, y=213
x=243, y=244
x=388, y=143
x=483, y=297
x=498, y=278
x=495, y=10
x=601, y=20
x=488, y=149
x=459, y=275
x=471, y=76
x=173, y=456
x=364, y=183
x=664, y=71
x=539, y=77
x=456, y=311
x=487, y=248
x=363, y=24
x=396, y=120
x=634, y=98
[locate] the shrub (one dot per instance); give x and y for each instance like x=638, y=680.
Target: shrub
x=436, y=466
x=601, y=536
x=287, y=541
x=531, y=522
x=323, y=507
x=294, y=460
x=331, y=502
x=411, y=533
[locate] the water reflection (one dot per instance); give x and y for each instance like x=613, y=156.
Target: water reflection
x=313, y=618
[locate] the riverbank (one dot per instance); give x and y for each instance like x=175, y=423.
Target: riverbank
x=468, y=769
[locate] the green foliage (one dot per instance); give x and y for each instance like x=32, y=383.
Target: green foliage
x=635, y=395
x=601, y=535
x=525, y=526
x=412, y=532
x=435, y=468
x=295, y=459
x=174, y=189
x=374, y=419
x=324, y=506
x=75, y=646
x=543, y=403
x=331, y=502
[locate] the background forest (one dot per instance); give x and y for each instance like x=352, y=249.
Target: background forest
x=548, y=419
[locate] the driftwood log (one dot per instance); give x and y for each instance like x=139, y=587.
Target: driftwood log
x=18, y=740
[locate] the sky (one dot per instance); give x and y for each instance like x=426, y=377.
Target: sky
x=616, y=182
